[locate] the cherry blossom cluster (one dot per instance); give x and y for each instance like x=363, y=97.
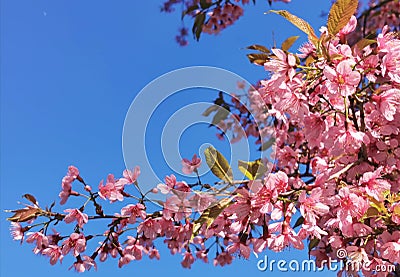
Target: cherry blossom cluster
x=336, y=116
x=379, y=13
x=181, y=38
x=338, y=124
x=168, y=6
x=334, y=181
x=222, y=17
x=382, y=13
x=209, y=16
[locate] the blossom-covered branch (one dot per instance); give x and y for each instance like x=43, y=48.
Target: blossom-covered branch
x=334, y=176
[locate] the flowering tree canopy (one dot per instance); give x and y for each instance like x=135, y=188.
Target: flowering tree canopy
x=333, y=182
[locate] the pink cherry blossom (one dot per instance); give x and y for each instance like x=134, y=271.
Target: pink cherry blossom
x=314, y=126
x=54, y=253
x=202, y=255
x=223, y=259
x=221, y=17
x=199, y=202
x=391, y=249
x=134, y=211
x=76, y=215
x=318, y=165
x=76, y=243
x=150, y=228
x=133, y=250
x=131, y=176
x=239, y=247
x=286, y=157
x=351, y=140
x=351, y=206
x=177, y=207
x=191, y=166
x=311, y=207
x=391, y=62
x=370, y=65
x=112, y=190
x=73, y=171
x=154, y=254
x=125, y=259
x=375, y=186
x=386, y=40
x=108, y=248
x=279, y=181
x=311, y=230
x=281, y=64
x=82, y=265
x=72, y=174
x=388, y=103
x=350, y=27
x=41, y=240
x=286, y=236
x=292, y=103
x=188, y=260
x=265, y=197
x=172, y=184
x=306, y=49
x=342, y=79
x=17, y=231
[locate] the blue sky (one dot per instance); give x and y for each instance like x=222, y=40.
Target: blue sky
x=69, y=72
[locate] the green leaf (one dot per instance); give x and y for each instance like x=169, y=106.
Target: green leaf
x=259, y=48
x=364, y=42
x=396, y=210
x=340, y=15
x=299, y=222
x=313, y=243
x=210, y=214
x=288, y=43
x=222, y=114
x=205, y=5
x=259, y=58
x=218, y=164
x=189, y=10
x=266, y=145
x=299, y=23
x=252, y=170
x=379, y=206
x=210, y=109
x=198, y=25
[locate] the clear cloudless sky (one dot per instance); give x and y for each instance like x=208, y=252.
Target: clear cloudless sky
x=69, y=72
